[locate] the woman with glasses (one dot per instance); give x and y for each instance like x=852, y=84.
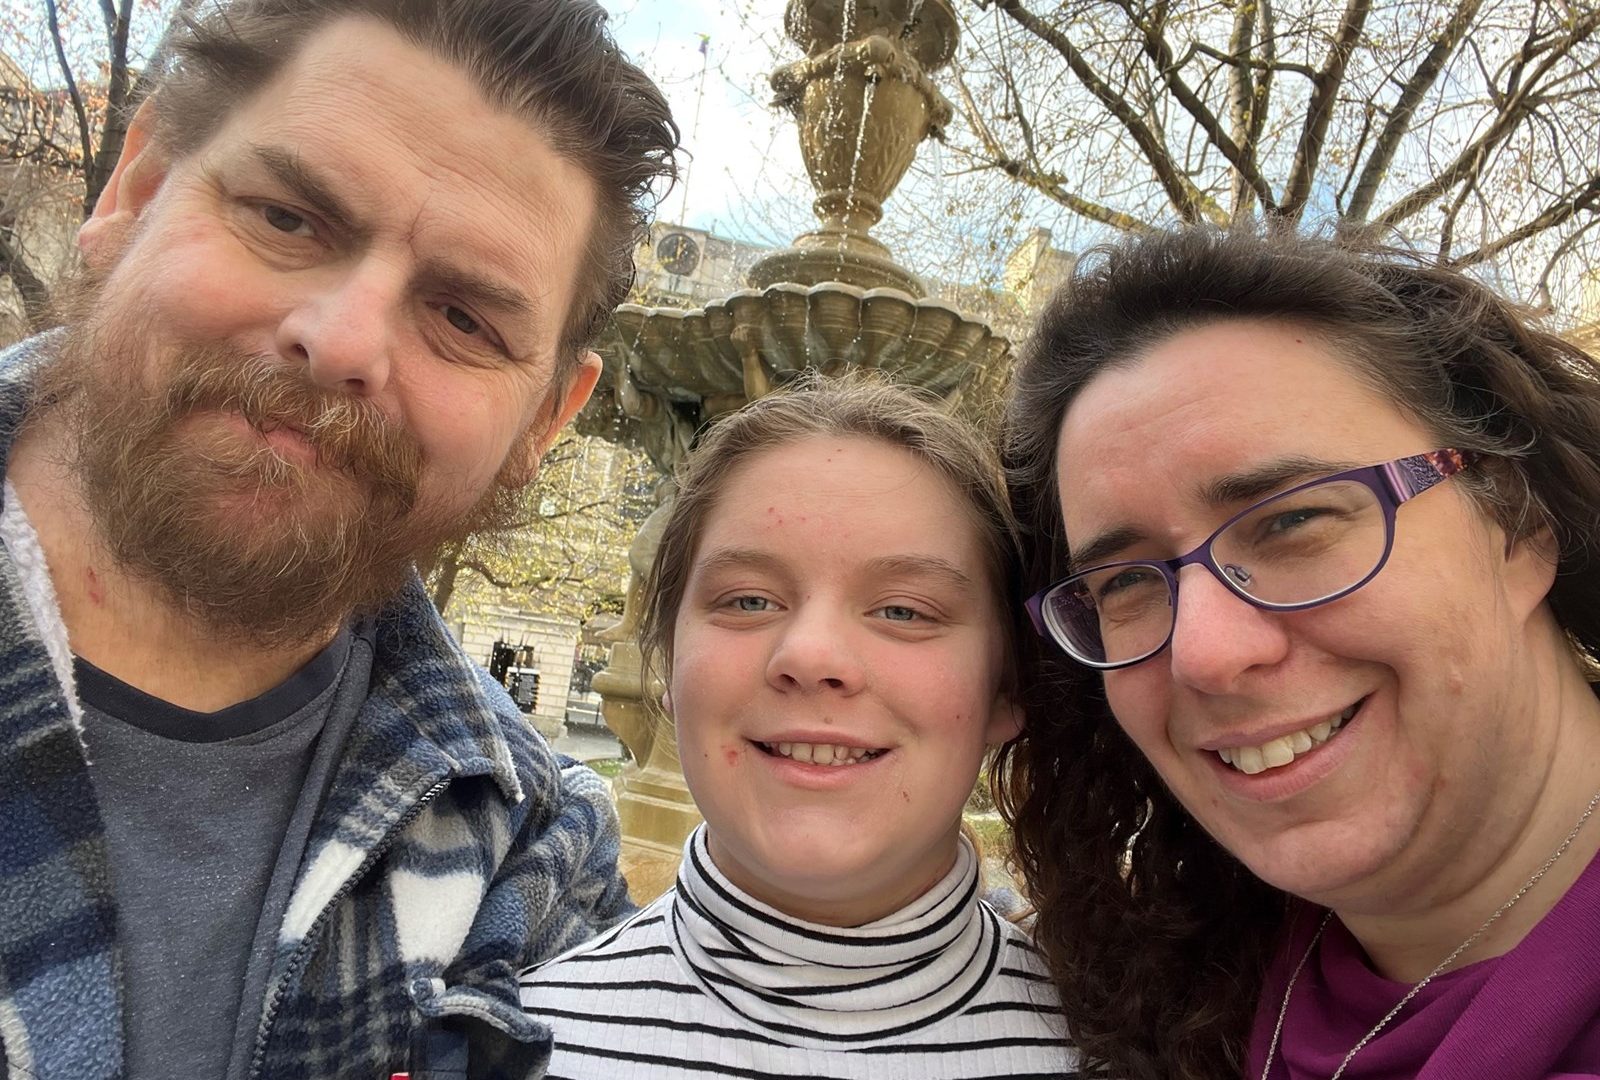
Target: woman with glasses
x=1311, y=747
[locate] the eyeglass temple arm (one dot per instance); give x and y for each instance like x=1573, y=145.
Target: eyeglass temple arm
x=1409, y=477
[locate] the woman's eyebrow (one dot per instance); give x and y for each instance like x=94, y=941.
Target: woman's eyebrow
x=1262, y=480
x=1102, y=546
x=1222, y=492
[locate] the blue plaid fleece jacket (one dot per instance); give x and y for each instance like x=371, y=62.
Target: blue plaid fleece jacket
x=454, y=849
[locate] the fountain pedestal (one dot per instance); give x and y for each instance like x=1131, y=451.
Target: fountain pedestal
x=653, y=805
x=834, y=300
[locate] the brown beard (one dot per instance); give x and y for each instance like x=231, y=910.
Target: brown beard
x=257, y=547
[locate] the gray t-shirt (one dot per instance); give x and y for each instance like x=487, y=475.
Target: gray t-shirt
x=206, y=819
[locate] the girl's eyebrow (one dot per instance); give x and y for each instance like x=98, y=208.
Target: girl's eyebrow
x=732, y=558
x=920, y=566
x=885, y=566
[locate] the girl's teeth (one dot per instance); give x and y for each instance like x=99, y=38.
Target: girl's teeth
x=820, y=753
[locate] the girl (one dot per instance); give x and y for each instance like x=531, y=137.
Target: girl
x=828, y=609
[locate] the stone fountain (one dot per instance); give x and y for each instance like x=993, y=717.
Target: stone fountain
x=835, y=299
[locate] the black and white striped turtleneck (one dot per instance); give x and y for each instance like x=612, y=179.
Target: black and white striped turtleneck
x=708, y=981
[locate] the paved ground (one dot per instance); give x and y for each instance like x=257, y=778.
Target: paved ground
x=589, y=744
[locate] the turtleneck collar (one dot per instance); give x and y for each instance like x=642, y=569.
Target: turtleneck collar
x=815, y=985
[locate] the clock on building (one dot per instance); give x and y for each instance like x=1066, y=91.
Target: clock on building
x=678, y=254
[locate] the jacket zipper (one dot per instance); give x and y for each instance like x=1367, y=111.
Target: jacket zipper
x=258, y=1058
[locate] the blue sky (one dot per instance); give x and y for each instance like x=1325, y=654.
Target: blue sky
x=744, y=158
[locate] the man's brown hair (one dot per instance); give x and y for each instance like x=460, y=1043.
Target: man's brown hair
x=551, y=61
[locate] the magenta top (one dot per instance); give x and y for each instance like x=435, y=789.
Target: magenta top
x=1531, y=1014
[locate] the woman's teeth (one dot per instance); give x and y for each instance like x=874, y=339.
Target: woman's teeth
x=820, y=753
x=1284, y=749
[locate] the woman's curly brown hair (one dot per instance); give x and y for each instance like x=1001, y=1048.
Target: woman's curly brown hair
x=1157, y=937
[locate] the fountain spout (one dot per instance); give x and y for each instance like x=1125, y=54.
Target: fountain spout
x=864, y=103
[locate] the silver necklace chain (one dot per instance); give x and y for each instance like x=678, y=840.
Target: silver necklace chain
x=1527, y=886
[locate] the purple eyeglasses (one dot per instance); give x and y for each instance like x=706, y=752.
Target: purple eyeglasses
x=1310, y=545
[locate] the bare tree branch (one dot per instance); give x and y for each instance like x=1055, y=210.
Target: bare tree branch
x=1514, y=107
x=1180, y=190
x=1249, y=63
x=1324, y=92
x=1158, y=49
x=34, y=292
x=73, y=95
x=1405, y=108
x=1586, y=197
x=118, y=20
x=1048, y=184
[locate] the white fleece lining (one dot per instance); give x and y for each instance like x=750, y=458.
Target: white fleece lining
x=22, y=542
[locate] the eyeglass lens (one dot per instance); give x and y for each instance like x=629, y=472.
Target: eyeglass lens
x=1298, y=548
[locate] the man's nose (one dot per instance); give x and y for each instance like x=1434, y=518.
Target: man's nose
x=1217, y=635
x=343, y=328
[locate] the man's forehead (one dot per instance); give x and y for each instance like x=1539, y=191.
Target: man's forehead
x=408, y=141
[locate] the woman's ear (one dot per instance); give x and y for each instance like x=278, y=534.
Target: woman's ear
x=666, y=702
x=1531, y=562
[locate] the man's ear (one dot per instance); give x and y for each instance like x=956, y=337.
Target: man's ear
x=140, y=171
x=555, y=412
x=566, y=401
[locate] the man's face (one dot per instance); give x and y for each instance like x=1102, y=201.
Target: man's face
x=1436, y=661
x=326, y=335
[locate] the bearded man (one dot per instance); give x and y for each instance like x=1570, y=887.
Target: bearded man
x=262, y=817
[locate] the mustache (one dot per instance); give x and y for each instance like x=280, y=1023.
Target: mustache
x=348, y=432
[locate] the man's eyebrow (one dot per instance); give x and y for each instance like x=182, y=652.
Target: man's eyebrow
x=289, y=171
x=919, y=566
x=1262, y=480
x=475, y=288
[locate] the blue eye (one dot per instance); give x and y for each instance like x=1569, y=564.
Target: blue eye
x=899, y=613
x=750, y=603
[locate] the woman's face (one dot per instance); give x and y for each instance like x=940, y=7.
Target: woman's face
x=1428, y=664
x=837, y=675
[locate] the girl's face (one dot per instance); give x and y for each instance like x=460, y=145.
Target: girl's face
x=837, y=675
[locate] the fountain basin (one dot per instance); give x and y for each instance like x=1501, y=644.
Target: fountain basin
x=736, y=349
